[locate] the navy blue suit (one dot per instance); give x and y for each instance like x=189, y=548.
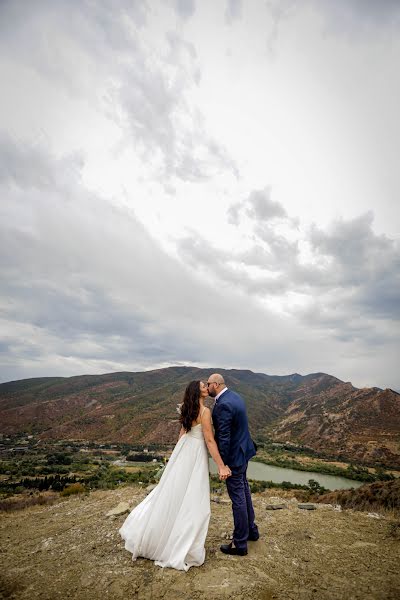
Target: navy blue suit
x=236, y=448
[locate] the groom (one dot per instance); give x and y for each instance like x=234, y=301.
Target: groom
x=236, y=448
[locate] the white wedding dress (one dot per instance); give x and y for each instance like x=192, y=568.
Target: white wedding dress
x=171, y=524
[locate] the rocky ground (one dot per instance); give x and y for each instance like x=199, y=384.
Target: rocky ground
x=71, y=549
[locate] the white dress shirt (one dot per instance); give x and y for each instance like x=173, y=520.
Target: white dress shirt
x=220, y=394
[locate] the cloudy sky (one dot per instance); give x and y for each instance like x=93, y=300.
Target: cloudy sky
x=209, y=182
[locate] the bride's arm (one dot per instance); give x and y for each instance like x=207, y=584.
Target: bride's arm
x=211, y=444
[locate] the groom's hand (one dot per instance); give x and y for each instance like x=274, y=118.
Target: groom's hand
x=224, y=472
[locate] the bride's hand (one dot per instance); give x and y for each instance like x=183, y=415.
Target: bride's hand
x=224, y=472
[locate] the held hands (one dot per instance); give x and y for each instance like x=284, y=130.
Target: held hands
x=224, y=472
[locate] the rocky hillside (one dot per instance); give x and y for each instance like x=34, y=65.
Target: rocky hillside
x=71, y=549
x=358, y=425
x=315, y=410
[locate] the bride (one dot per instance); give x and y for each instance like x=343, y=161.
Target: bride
x=170, y=525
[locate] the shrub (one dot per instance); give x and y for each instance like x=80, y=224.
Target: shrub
x=59, y=458
x=11, y=504
x=316, y=487
x=373, y=496
x=73, y=488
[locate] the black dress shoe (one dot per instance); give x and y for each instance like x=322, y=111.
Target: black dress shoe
x=253, y=538
x=229, y=549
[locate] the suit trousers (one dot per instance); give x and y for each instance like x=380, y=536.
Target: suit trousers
x=242, y=507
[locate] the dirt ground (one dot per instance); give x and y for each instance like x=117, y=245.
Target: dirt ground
x=71, y=549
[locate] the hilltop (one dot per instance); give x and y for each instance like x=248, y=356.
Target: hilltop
x=317, y=410
x=71, y=549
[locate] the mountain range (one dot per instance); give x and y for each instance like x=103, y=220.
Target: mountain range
x=318, y=410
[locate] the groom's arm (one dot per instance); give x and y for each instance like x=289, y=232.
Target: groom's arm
x=224, y=430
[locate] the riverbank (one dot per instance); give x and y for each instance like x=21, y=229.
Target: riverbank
x=303, y=462
x=272, y=476
x=71, y=549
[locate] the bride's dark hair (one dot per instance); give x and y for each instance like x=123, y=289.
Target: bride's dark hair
x=191, y=405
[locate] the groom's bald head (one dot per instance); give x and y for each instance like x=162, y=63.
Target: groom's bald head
x=215, y=384
x=217, y=378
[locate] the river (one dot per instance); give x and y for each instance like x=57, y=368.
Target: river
x=263, y=472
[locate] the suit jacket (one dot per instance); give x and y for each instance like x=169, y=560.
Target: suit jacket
x=231, y=429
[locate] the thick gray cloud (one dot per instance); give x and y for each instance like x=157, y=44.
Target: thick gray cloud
x=164, y=124
x=185, y=8
x=345, y=16
x=350, y=282
x=85, y=288
x=353, y=20
x=24, y=167
x=233, y=10
x=271, y=251
x=260, y=206
x=118, y=68
x=351, y=16
x=53, y=39
x=82, y=274
x=365, y=266
x=355, y=247
x=227, y=268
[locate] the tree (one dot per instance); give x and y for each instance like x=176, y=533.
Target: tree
x=316, y=487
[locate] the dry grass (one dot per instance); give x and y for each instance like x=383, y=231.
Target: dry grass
x=21, y=502
x=131, y=469
x=382, y=495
